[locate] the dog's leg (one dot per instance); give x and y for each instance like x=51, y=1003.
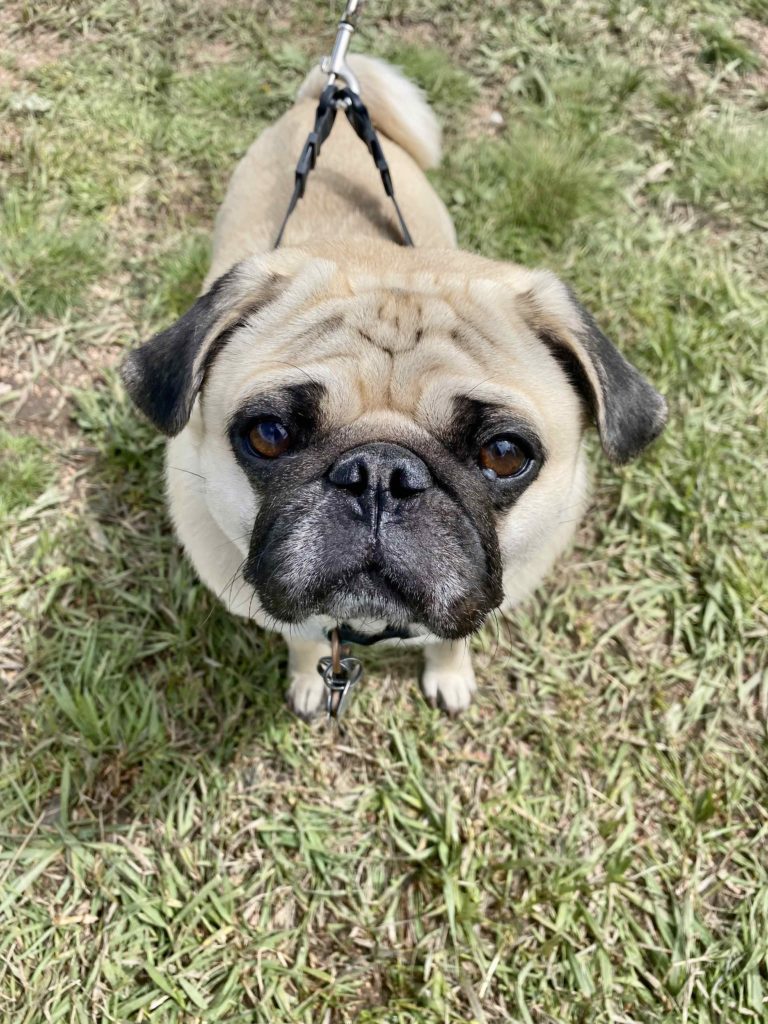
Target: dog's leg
x=448, y=679
x=306, y=692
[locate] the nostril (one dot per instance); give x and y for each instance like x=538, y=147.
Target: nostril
x=350, y=475
x=408, y=480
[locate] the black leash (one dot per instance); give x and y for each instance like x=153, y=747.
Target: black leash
x=332, y=99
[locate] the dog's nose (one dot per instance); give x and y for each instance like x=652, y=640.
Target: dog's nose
x=381, y=471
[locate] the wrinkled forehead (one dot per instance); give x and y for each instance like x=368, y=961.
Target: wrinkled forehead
x=407, y=350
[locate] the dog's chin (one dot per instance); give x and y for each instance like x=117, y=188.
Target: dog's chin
x=372, y=602
x=367, y=596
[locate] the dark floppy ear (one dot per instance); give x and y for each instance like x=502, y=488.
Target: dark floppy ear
x=628, y=412
x=164, y=376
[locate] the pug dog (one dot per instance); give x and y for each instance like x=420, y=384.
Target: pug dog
x=365, y=435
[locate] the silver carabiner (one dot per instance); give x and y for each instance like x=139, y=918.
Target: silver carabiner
x=336, y=65
x=339, y=686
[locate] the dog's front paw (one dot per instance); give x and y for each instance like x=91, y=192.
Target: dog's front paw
x=306, y=689
x=306, y=694
x=451, y=691
x=448, y=680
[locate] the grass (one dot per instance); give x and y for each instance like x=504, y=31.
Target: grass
x=588, y=843
x=24, y=472
x=722, y=48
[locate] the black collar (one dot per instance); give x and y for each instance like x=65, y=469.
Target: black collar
x=352, y=636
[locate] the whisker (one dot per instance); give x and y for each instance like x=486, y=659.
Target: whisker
x=486, y=381
x=220, y=595
x=181, y=469
x=495, y=616
x=293, y=366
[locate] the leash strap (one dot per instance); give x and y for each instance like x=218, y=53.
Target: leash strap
x=359, y=118
x=332, y=99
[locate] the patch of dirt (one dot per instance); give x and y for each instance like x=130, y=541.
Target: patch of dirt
x=210, y=53
x=11, y=666
x=166, y=199
x=678, y=54
x=755, y=34
x=485, y=119
x=7, y=78
x=24, y=49
x=416, y=33
x=12, y=137
x=41, y=366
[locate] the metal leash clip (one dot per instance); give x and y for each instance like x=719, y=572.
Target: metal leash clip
x=336, y=65
x=340, y=674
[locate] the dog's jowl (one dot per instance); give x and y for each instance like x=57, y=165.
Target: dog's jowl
x=367, y=434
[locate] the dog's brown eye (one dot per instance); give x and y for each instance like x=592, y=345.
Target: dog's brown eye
x=269, y=438
x=504, y=456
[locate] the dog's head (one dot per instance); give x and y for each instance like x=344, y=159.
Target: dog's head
x=393, y=435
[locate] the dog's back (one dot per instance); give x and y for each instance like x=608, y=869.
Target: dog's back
x=344, y=197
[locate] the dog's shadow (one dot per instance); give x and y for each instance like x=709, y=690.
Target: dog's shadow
x=140, y=678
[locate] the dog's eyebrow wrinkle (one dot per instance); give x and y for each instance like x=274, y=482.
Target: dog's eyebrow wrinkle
x=464, y=341
x=470, y=334
x=380, y=344
x=333, y=322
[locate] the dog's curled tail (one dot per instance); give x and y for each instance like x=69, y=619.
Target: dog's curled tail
x=398, y=108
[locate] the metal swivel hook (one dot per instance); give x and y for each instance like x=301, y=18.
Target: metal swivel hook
x=340, y=673
x=335, y=66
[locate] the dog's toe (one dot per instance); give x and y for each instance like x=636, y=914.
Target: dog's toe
x=451, y=690
x=306, y=694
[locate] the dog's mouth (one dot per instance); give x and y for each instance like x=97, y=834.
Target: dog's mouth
x=375, y=597
x=366, y=594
